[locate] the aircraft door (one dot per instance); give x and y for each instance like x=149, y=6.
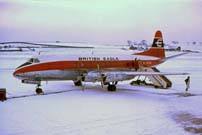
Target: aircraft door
x=75, y=65
x=135, y=64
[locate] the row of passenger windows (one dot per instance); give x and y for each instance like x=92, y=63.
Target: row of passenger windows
x=107, y=64
x=101, y=64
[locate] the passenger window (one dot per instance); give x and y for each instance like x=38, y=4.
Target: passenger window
x=89, y=64
x=82, y=65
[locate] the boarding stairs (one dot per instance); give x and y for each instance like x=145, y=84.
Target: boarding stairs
x=159, y=81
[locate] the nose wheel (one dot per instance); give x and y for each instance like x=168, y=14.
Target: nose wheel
x=39, y=90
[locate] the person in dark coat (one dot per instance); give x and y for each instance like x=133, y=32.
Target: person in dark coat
x=187, y=82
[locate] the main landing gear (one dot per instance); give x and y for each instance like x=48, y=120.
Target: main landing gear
x=112, y=87
x=39, y=90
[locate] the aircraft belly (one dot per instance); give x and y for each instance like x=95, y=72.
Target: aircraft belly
x=52, y=75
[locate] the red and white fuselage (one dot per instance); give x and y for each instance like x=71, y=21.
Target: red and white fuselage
x=70, y=67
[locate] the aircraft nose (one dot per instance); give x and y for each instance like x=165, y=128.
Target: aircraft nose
x=16, y=73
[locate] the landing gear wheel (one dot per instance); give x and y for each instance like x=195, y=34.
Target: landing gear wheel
x=111, y=88
x=39, y=91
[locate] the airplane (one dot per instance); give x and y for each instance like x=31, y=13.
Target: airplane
x=29, y=46
x=107, y=69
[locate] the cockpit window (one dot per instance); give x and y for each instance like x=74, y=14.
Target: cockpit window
x=30, y=61
x=33, y=60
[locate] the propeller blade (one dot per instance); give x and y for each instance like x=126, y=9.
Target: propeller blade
x=81, y=79
x=102, y=83
x=101, y=78
x=82, y=86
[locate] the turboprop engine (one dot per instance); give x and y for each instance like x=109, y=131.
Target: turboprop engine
x=107, y=77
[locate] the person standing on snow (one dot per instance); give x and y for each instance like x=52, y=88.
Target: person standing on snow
x=187, y=82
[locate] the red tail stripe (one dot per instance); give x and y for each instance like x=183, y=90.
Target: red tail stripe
x=158, y=34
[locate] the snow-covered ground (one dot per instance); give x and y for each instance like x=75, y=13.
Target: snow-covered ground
x=131, y=110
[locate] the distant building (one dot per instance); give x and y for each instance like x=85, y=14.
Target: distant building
x=138, y=46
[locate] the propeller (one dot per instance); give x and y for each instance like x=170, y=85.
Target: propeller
x=81, y=79
x=101, y=76
x=82, y=87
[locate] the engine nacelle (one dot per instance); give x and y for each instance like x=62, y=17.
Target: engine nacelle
x=112, y=77
x=31, y=82
x=92, y=77
x=109, y=77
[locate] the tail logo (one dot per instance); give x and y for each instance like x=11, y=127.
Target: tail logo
x=159, y=42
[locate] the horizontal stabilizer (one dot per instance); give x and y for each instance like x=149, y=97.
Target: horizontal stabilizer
x=173, y=56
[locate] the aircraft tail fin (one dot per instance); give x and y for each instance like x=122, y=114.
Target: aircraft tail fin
x=157, y=49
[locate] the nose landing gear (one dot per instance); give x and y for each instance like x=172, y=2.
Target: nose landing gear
x=39, y=90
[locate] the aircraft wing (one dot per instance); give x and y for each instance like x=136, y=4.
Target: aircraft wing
x=115, y=76
x=147, y=73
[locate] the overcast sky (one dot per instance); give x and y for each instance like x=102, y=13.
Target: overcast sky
x=99, y=21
